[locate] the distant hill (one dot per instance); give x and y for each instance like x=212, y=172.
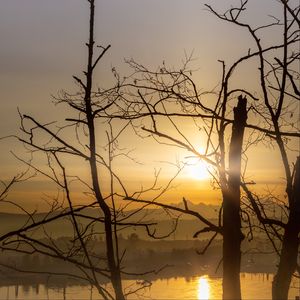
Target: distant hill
x=207, y=210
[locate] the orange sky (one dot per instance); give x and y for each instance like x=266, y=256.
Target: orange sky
x=42, y=46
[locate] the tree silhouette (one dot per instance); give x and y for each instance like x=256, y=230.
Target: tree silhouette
x=172, y=95
x=280, y=93
x=167, y=98
x=78, y=141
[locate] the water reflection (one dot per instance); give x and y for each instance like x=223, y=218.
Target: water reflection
x=203, y=288
x=254, y=286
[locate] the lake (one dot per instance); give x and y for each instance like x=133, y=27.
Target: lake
x=254, y=286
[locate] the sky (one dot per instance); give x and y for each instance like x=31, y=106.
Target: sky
x=42, y=46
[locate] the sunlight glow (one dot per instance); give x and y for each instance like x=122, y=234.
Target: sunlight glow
x=203, y=288
x=198, y=170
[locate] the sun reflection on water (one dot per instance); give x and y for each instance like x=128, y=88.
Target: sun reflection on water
x=203, y=288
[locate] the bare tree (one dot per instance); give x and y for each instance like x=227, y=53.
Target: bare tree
x=173, y=95
x=167, y=96
x=88, y=111
x=80, y=253
x=279, y=79
x=230, y=224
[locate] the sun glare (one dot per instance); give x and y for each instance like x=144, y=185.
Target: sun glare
x=203, y=288
x=198, y=170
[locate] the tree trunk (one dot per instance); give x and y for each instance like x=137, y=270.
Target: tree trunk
x=232, y=235
x=111, y=252
x=289, y=251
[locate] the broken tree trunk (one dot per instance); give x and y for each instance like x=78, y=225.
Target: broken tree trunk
x=232, y=235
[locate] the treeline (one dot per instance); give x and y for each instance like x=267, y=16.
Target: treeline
x=180, y=258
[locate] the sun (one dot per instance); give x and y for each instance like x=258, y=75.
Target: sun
x=197, y=169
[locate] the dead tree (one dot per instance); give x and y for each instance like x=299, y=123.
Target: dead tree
x=90, y=123
x=173, y=95
x=232, y=234
x=280, y=97
x=55, y=150
x=78, y=140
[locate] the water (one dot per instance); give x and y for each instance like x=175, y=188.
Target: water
x=254, y=286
